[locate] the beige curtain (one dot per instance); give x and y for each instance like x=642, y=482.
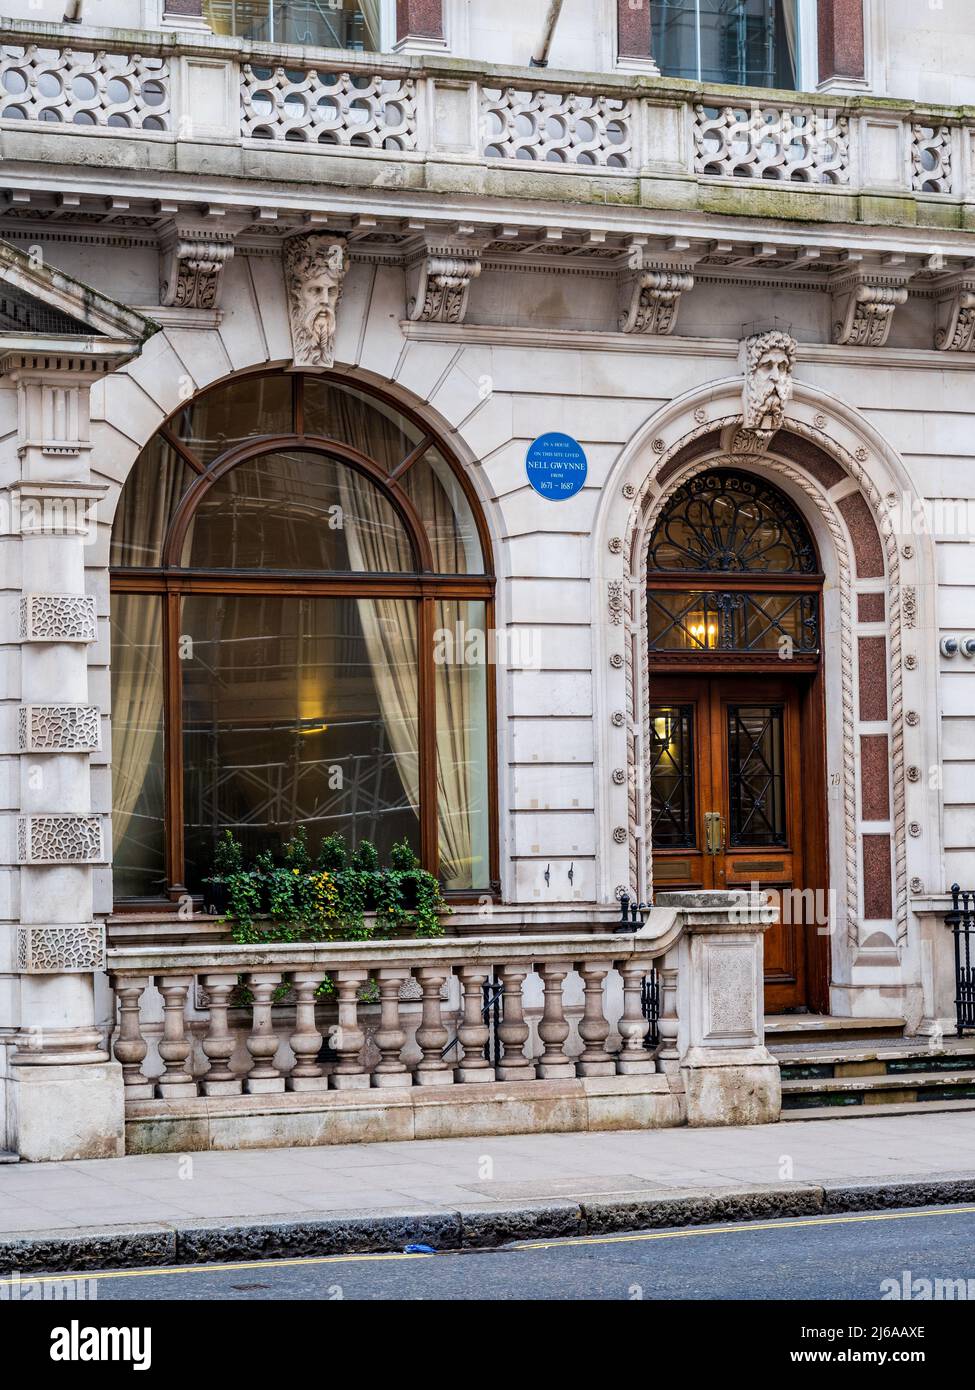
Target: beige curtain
x=462, y=753
x=372, y=15
x=137, y=701
x=388, y=625
x=790, y=11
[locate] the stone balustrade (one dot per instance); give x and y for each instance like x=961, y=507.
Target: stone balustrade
x=225, y=1046
x=164, y=88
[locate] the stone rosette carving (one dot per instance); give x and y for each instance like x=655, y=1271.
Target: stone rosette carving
x=60, y=728
x=315, y=267
x=191, y=265
x=443, y=284
x=769, y=361
x=615, y=591
x=54, y=839
x=57, y=618
x=909, y=604
x=652, y=300
x=61, y=950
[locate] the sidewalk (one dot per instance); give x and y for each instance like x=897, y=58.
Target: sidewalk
x=182, y=1209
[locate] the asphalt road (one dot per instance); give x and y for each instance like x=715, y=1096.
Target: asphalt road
x=836, y=1257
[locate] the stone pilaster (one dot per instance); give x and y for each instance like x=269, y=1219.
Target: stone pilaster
x=66, y=1093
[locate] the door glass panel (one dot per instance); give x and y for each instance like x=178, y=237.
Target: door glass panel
x=699, y=621
x=756, y=779
x=672, y=776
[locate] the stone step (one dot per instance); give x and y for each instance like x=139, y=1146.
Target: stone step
x=854, y=1112
x=821, y=1028
x=800, y=1064
x=860, y=1091
x=7, y=1157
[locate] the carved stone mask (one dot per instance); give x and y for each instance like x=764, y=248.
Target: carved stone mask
x=315, y=269
x=768, y=381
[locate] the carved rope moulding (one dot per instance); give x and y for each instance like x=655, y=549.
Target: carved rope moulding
x=59, y=840
x=60, y=950
x=57, y=618
x=60, y=728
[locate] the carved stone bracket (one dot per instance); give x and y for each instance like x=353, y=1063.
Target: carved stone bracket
x=67, y=839
x=956, y=315
x=191, y=264
x=60, y=728
x=650, y=300
x=58, y=618
x=60, y=950
x=439, y=283
x=864, y=304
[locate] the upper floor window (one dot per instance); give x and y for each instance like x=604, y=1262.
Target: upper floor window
x=749, y=43
x=317, y=23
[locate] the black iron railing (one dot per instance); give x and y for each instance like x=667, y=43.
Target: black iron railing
x=650, y=1002
x=961, y=920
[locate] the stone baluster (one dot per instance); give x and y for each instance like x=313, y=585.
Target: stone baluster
x=473, y=1033
x=130, y=1045
x=513, y=1029
x=634, y=1059
x=593, y=1029
x=391, y=1070
x=347, y=1040
x=219, y=1043
x=307, y=1074
x=176, y=1045
x=667, y=1053
x=262, y=1041
x=554, y=1028
x=433, y=1069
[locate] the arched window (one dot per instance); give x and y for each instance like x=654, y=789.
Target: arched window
x=732, y=571
x=295, y=565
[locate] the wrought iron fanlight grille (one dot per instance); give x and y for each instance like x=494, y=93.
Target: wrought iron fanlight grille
x=727, y=522
x=720, y=528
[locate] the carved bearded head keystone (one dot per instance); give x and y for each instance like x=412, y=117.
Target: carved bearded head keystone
x=314, y=270
x=769, y=360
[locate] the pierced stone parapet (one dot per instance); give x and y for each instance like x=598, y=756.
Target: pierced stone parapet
x=58, y=618
x=84, y=89
x=60, y=728
x=59, y=950
x=328, y=108
x=801, y=144
x=931, y=159
x=557, y=127
x=67, y=839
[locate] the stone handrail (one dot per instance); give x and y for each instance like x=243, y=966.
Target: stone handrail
x=208, y=90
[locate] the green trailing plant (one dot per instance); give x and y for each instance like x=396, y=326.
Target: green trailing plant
x=341, y=896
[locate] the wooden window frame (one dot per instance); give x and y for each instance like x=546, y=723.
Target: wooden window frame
x=171, y=582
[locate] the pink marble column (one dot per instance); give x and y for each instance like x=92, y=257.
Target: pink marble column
x=634, y=28
x=419, y=19
x=841, y=47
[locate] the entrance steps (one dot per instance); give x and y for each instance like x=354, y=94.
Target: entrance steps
x=836, y=1068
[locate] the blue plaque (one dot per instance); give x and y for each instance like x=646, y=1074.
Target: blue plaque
x=556, y=466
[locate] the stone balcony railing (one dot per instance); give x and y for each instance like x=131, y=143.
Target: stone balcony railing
x=482, y=129
x=225, y=1046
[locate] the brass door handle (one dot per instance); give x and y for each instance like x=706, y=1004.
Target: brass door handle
x=714, y=832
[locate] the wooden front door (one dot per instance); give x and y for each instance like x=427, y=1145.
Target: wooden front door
x=728, y=758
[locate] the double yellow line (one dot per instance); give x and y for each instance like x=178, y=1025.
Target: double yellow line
x=685, y=1234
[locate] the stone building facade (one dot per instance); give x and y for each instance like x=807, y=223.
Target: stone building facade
x=732, y=267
